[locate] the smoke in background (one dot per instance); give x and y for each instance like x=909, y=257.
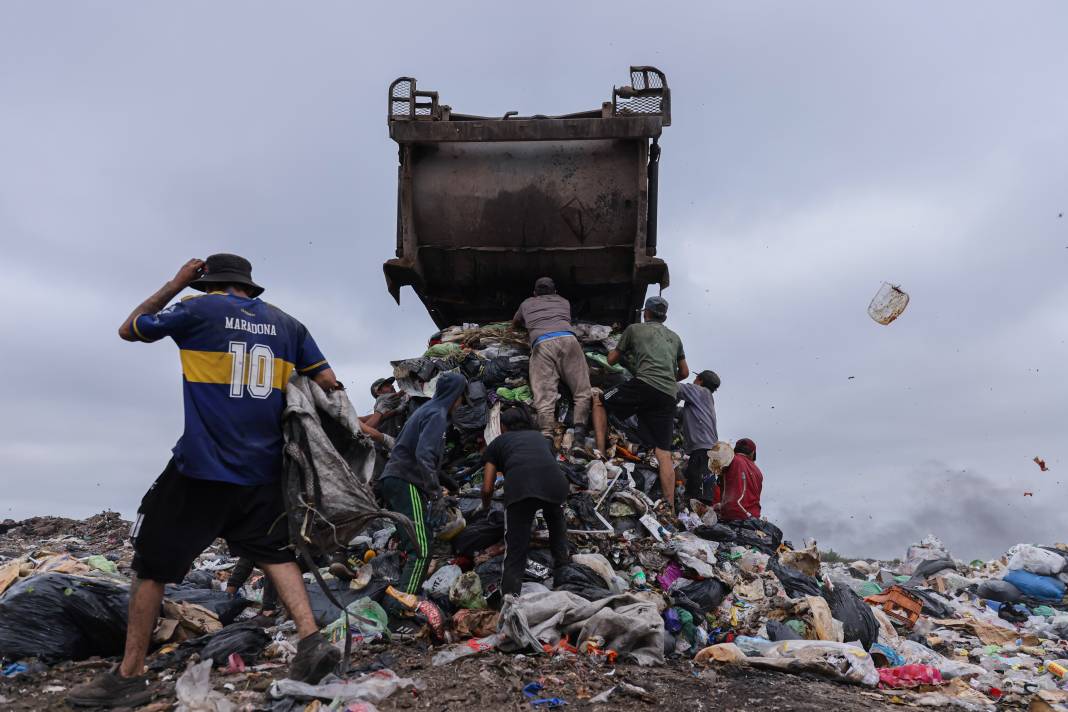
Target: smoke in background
x=974, y=515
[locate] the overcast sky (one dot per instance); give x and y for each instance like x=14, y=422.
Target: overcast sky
x=817, y=150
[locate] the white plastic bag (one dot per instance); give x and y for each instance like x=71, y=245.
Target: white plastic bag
x=597, y=476
x=847, y=662
x=194, y=692
x=1035, y=560
x=374, y=686
x=442, y=580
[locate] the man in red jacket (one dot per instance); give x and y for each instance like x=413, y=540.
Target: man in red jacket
x=742, y=482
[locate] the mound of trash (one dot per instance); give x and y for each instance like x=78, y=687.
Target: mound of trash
x=645, y=588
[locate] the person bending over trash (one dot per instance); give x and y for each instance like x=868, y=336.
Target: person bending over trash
x=410, y=480
x=654, y=354
x=699, y=433
x=742, y=482
x=556, y=355
x=223, y=480
x=532, y=481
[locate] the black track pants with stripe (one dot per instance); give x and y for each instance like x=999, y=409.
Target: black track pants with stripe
x=405, y=498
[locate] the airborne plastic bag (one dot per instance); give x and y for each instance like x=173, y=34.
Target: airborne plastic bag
x=62, y=617
x=888, y=303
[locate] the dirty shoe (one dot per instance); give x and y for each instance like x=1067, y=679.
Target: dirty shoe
x=315, y=658
x=109, y=689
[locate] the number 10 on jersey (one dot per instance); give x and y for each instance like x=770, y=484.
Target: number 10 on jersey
x=252, y=368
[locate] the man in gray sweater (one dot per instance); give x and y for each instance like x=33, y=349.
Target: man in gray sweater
x=555, y=355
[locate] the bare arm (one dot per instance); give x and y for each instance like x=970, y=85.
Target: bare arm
x=189, y=272
x=489, y=476
x=684, y=370
x=328, y=381
x=613, y=357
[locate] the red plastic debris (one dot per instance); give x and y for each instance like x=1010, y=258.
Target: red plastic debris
x=1041, y=463
x=909, y=676
x=235, y=664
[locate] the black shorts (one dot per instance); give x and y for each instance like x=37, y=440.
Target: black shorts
x=181, y=516
x=654, y=408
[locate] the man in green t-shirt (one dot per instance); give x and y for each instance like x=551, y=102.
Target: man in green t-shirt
x=654, y=354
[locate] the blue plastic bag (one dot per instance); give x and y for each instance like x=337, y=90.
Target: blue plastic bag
x=1044, y=588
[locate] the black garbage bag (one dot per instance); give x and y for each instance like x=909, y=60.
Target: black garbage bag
x=473, y=412
x=387, y=566
x=246, y=639
x=198, y=579
x=760, y=534
x=796, y=583
x=700, y=597
x=858, y=622
x=489, y=574
x=225, y=607
x=575, y=475
x=931, y=567
x=482, y=531
x=715, y=532
x=581, y=580
x=933, y=604
x=1013, y=614
x=585, y=510
x=324, y=611
x=647, y=480
x=62, y=617
x=1001, y=591
x=777, y=630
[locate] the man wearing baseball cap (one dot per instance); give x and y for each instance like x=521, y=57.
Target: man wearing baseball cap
x=654, y=354
x=555, y=355
x=388, y=414
x=223, y=480
x=699, y=433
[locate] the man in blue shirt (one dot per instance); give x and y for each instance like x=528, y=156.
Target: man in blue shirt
x=237, y=355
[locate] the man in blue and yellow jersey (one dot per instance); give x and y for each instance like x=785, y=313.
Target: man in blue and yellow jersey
x=224, y=479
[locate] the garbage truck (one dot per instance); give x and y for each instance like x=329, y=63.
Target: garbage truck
x=485, y=205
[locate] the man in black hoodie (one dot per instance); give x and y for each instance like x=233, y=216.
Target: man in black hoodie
x=410, y=479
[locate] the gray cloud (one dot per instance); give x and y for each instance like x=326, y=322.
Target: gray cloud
x=816, y=151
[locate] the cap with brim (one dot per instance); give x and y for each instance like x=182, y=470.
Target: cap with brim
x=227, y=269
x=379, y=383
x=657, y=306
x=545, y=285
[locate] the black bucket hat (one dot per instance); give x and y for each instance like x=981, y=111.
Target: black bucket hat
x=227, y=269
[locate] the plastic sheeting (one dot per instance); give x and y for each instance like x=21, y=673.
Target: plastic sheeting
x=629, y=624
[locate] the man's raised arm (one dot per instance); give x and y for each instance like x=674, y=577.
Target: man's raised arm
x=189, y=272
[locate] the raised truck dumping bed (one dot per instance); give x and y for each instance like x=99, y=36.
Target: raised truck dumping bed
x=486, y=205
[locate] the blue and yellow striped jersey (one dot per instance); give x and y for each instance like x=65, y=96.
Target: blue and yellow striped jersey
x=237, y=356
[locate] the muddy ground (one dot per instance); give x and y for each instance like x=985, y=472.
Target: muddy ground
x=492, y=681
x=495, y=682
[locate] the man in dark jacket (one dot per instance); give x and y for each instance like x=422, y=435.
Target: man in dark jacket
x=742, y=484
x=410, y=480
x=532, y=481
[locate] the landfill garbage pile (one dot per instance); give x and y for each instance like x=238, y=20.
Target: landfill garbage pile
x=654, y=606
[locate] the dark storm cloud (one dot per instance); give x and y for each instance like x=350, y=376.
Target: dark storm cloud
x=817, y=150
